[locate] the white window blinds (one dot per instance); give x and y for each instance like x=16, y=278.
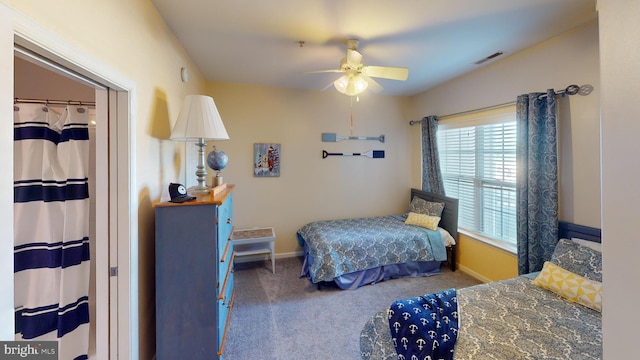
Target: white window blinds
x=478, y=163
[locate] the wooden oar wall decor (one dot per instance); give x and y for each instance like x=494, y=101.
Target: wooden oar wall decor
x=333, y=137
x=373, y=154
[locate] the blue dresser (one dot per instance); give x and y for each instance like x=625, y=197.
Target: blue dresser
x=194, y=277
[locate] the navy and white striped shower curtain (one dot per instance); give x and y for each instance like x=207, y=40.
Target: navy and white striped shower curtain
x=51, y=226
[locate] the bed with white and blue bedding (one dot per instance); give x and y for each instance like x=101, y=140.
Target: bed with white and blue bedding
x=551, y=314
x=359, y=251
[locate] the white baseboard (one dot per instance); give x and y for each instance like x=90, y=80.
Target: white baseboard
x=470, y=272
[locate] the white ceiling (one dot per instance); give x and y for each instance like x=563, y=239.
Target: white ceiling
x=256, y=41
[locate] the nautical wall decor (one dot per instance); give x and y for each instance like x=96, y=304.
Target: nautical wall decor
x=333, y=137
x=374, y=154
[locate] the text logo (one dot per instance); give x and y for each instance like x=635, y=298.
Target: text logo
x=28, y=350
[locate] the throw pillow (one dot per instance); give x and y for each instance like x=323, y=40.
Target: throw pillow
x=570, y=286
x=425, y=221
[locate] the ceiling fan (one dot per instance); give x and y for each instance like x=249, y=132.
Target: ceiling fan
x=358, y=77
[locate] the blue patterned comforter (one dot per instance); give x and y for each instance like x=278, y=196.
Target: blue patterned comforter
x=337, y=247
x=426, y=326
x=506, y=320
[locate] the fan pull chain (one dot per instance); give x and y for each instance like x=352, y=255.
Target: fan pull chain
x=351, y=113
x=351, y=116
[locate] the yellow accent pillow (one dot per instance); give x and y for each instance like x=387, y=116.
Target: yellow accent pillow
x=571, y=286
x=426, y=221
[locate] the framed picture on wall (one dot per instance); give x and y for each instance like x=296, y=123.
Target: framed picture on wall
x=266, y=160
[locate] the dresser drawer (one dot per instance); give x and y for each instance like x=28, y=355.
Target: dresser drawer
x=225, y=220
x=225, y=269
x=225, y=248
x=225, y=302
x=225, y=262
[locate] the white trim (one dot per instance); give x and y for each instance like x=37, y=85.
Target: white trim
x=502, y=245
x=102, y=225
x=474, y=274
x=127, y=205
x=7, y=315
x=299, y=253
x=113, y=243
x=33, y=36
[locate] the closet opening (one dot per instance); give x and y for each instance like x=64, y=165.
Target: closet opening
x=48, y=90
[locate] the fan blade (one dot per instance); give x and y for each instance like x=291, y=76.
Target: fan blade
x=354, y=58
x=373, y=85
x=328, y=86
x=323, y=71
x=386, y=72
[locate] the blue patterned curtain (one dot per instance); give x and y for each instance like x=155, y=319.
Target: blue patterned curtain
x=537, y=179
x=431, y=174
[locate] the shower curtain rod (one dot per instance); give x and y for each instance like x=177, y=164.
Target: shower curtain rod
x=583, y=90
x=54, y=102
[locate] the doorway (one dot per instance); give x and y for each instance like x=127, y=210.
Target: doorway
x=116, y=313
x=35, y=84
x=119, y=340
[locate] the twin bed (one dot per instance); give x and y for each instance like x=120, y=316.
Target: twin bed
x=355, y=252
x=553, y=314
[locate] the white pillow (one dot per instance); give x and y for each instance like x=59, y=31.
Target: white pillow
x=590, y=244
x=448, y=239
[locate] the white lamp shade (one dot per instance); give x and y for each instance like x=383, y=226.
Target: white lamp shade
x=199, y=119
x=351, y=84
x=341, y=83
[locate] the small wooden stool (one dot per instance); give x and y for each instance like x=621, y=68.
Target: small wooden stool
x=255, y=241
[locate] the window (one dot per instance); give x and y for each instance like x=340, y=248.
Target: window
x=478, y=162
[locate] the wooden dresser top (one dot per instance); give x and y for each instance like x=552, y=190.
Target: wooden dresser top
x=215, y=196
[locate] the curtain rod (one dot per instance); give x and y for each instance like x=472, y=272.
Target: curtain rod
x=413, y=122
x=54, y=102
x=583, y=90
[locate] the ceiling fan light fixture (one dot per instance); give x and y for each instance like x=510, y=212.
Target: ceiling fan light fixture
x=358, y=77
x=341, y=84
x=357, y=84
x=351, y=85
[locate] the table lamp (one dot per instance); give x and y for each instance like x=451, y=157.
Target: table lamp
x=198, y=122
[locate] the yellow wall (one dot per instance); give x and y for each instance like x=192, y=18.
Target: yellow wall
x=485, y=262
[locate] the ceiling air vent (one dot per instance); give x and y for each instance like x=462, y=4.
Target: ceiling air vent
x=492, y=56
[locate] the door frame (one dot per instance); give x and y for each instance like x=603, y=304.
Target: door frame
x=116, y=300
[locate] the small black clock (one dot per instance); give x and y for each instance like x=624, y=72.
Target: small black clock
x=178, y=193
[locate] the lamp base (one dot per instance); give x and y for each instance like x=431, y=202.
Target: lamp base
x=198, y=190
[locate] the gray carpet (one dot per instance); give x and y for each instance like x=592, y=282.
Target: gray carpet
x=281, y=316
